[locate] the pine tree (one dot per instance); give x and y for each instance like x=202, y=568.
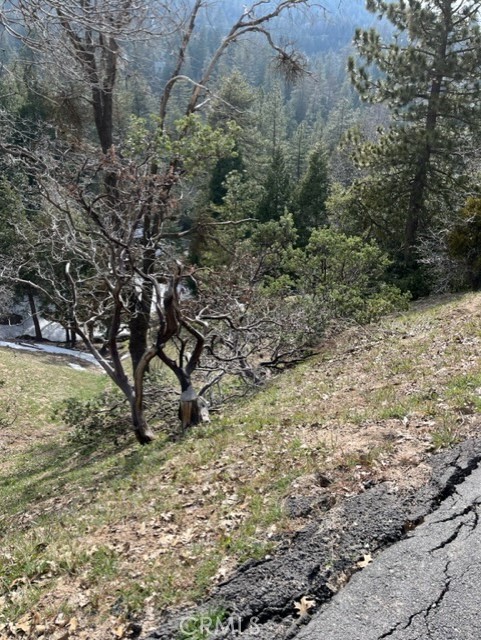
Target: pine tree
x=273, y=118
x=232, y=104
x=222, y=168
x=310, y=201
x=428, y=75
x=277, y=189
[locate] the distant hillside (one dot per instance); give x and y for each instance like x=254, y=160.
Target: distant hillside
x=330, y=28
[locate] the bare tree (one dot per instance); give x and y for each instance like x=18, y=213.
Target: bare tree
x=113, y=252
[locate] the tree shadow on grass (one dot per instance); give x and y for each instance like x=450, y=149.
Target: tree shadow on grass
x=67, y=474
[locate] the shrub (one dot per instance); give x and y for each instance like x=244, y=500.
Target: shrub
x=346, y=275
x=464, y=241
x=103, y=417
x=106, y=417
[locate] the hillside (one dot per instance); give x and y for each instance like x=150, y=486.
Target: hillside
x=94, y=540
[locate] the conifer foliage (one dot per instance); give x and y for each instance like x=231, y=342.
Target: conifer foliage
x=310, y=205
x=429, y=77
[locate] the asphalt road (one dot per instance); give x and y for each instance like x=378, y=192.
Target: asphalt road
x=424, y=582
x=425, y=587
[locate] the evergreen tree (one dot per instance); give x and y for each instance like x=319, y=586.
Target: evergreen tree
x=428, y=75
x=299, y=150
x=232, y=104
x=273, y=119
x=310, y=200
x=277, y=188
x=299, y=100
x=222, y=168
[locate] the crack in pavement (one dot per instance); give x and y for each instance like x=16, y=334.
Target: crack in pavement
x=458, y=514
x=451, y=538
x=471, y=509
x=319, y=560
x=441, y=596
x=425, y=611
x=398, y=626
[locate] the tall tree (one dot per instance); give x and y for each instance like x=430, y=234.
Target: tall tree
x=277, y=188
x=273, y=118
x=232, y=103
x=114, y=235
x=310, y=199
x=428, y=75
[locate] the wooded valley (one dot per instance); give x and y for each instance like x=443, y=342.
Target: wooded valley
x=191, y=176
x=204, y=192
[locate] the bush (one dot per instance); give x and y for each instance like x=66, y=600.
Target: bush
x=464, y=241
x=346, y=275
x=413, y=278
x=105, y=417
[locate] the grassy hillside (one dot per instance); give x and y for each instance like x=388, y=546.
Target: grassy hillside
x=91, y=539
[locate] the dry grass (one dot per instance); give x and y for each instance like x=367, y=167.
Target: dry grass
x=94, y=538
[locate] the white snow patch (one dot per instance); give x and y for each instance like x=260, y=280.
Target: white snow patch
x=50, y=330
x=49, y=348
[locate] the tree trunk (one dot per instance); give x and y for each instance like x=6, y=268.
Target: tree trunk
x=138, y=327
x=189, y=409
x=142, y=431
x=415, y=210
x=417, y=200
x=34, y=314
x=139, y=316
x=70, y=336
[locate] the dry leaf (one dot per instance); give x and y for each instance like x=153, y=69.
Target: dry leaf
x=60, y=620
x=304, y=605
x=73, y=625
x=24, y=626
x=366, y=559
x=119, y=632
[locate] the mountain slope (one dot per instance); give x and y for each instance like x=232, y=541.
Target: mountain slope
x=94, y=539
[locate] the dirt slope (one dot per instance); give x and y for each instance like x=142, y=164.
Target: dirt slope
x=94, y=541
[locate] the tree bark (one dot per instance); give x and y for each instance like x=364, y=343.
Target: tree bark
x=189, y=409
x=142, y=431
x=138, y=328
x=418, y=192
x=34, y=314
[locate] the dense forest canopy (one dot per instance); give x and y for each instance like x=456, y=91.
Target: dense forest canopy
x=217, y=182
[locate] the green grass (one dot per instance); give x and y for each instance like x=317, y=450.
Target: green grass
x=444, y=438
x=465, y=390
x=69, y=511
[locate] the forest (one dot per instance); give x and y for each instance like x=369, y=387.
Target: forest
x=214, y=187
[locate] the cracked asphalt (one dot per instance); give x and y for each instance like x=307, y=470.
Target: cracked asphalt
x=424, y=582
x=425, y=587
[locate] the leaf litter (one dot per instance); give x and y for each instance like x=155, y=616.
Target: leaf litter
x=369, y=408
